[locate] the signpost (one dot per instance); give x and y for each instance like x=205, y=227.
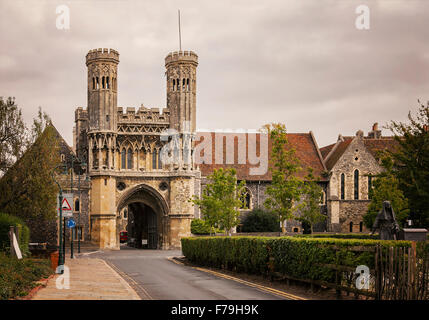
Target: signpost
x=67, y=205
x=71, y=224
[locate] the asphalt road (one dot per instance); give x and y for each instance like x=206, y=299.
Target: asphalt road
x=152, y=273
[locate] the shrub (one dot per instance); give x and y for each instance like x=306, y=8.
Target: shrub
x=6, y=221
x=303, y=258
x=199, y=226
x=17, y=277
x=259, y=220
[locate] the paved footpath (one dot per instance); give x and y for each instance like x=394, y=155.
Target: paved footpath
x=90, y=279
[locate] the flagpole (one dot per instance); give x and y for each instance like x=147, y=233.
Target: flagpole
x=180, y=35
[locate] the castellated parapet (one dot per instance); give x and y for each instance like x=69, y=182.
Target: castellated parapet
x=143, y=115
x=105, y=54
x=181, y=56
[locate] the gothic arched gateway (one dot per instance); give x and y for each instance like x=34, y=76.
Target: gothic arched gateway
x=147, y=217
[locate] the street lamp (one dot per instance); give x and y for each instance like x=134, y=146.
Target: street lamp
x=60, y=200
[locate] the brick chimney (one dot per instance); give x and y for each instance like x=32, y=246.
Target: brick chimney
x=375, y=133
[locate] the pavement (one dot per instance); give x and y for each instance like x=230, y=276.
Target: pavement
x=89, y=279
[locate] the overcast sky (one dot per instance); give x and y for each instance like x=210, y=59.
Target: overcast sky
x=300, y=62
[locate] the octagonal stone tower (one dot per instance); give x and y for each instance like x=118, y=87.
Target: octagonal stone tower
x=182, y=89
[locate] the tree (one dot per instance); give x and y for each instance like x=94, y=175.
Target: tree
x=310, y=207
x=13, y=134
x=285, y=189
x=221, y=199
x=386, y=187
x=411, y=162
x=259, y=220
x=28, y=190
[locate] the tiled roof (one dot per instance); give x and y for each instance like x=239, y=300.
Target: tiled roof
x=325, y=150
x=337, y=152
x=306, y=152
x=375, y=146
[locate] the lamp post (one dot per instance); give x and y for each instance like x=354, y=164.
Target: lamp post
x=60, y=199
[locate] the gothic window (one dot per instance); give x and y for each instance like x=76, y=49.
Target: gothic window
x=369, y=186
x=130, y=159
x=97, y=83
x=107, y=83
x=93, y=83
x=187, y=84
x=159, y=161
x=343, y=182
x=125, y=214
x=102, y=82
x=360, y=226
x=154, y=156
x=247, y=200
x=351, y=227
x=123, y=159
x=77, y=205
x=183, y=84
x=322, y=198
x=95, y=158
x=63, y=158
x=174, y=84
x=177, y=84
x=356, y=184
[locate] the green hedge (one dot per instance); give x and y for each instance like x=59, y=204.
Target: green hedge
x=199, y=226
x=293, y=256
x=6, y=221
x=18, y=277
x=341, y=236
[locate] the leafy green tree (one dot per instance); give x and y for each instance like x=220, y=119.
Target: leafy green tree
x=310, y=207
x=386, y=187
x=221, y=199
x=28, y=190
x=259, y=220
x=411, y=163
x=13, y=134
x=286, y=188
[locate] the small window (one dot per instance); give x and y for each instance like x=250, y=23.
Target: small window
x=63, y=158
x=93, y=83
x=77, y=205
x=123, y=159
x=360, y=226
x=369, y=186
x=125, y=214
x=102, y=82
x=130, y=159
x=351, y=227
x=154, y=159
x=174, y=84
x=177, y=84
x=183, y=84
x=343, y=178
x=107, y=83
x=187, y=84
x=97, y=83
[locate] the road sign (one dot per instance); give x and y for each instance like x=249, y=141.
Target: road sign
x=71, y=223
x=67, y=205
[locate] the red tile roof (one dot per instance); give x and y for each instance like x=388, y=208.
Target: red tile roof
x=306, y=152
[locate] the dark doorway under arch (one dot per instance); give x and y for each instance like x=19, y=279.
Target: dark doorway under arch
x=142, y=226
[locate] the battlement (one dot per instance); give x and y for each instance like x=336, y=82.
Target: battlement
x=110, y=55
x=81, y=114
x=143, y=115
x=181, y=56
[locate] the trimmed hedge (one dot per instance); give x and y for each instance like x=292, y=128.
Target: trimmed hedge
x=200, y=226
x=341, y=236
x=297, y=257
x=6, y=221
x=18, y=277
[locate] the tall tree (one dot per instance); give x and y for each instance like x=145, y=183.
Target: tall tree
x=310, y=207
x=221, y=199
x=411, y=162
x=386, y=187
x=286, y=188
x=13, y=134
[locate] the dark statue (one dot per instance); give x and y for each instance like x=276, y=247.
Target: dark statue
x=386, y=223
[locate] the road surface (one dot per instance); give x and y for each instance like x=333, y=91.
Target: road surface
x=153, y=276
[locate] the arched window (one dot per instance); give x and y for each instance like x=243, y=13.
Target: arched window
x=154, y=158
x=183, y=84
x=174, y=84
x=343, y=182
x=356, y=184
x=360, y=226
x=369, y=186
x=159, y=161
x=102, y=82
x=125, y=214
x=130, y=159
x=351, y=227
x=177, y=84
x=107, y=83
x=63, y=157
x=77, y=205
x=93, y=83
x=123, y=159
x=97, y=83
x=187, y=84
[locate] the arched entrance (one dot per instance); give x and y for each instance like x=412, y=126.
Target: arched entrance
x=147, y=217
